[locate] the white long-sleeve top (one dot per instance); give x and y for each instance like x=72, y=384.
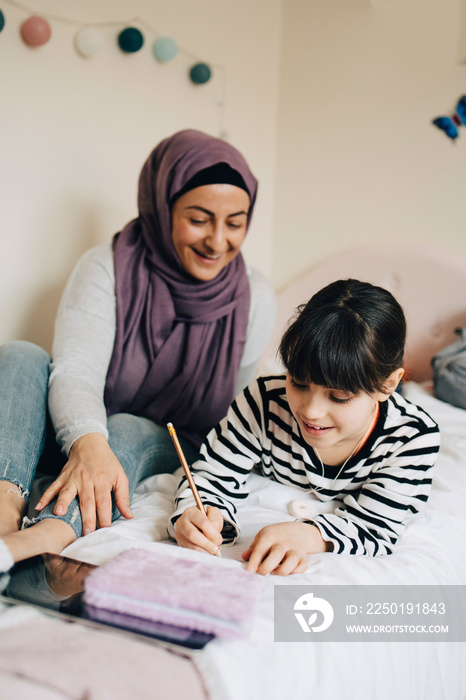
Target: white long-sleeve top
x=84, y=336
x=379, y=490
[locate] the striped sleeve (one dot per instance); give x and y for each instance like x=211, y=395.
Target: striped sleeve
x=371, y=520
x=229, y=453
x=382, y=489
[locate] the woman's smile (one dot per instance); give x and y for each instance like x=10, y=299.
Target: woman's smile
x=208, y=257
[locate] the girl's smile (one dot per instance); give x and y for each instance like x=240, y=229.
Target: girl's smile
x=315, y=429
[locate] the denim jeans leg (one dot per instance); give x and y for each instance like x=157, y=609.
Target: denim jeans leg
x=24, y=372
x=144, y=448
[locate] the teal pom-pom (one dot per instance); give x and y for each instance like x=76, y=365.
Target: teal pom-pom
x=200, y=73
x=165, y=49
x=130, y=40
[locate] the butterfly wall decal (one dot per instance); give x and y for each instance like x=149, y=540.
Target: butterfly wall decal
x=449, y=125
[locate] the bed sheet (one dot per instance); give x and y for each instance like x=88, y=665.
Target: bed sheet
x=431, y=551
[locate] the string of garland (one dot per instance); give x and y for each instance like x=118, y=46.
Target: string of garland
x=36, y=31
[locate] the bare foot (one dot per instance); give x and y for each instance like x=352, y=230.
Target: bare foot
x=49, y=535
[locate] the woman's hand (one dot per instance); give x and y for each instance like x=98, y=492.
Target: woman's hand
x=281, y=549
x=195, y=530
x=91, y=473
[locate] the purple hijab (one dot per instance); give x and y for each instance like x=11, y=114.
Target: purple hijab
x=179, y=341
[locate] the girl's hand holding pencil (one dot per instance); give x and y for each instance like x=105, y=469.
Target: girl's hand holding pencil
x=197, y=528
x=201, y=531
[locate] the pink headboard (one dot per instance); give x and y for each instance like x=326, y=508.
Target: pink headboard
x=429, y=283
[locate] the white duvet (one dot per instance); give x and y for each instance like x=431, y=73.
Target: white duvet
x=432, y=551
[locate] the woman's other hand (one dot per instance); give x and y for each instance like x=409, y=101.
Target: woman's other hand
x=92, y=473
x=282, y=549
x=195, y=530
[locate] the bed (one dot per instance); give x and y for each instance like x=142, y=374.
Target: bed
x=431, y=286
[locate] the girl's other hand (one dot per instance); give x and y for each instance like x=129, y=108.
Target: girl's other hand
x=92, y=473
x=195, y=530
x=282, y=549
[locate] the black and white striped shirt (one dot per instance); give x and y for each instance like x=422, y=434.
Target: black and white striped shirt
x=379, y=490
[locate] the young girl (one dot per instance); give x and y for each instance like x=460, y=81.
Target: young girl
x=332, y=425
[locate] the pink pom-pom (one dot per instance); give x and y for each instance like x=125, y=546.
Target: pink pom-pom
x=35, y=31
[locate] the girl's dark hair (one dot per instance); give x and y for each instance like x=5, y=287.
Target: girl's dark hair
x=350, y=336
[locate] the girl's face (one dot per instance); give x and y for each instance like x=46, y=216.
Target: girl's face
x=330, y=420
x=208, y=228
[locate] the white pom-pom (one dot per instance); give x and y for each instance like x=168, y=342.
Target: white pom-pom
x=300, y=509
x=88, y=42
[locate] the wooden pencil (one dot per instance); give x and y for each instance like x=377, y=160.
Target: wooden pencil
x=186, y=468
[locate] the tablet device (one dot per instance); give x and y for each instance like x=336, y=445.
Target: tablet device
x=56, y=585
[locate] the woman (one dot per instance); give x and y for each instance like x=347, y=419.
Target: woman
x=168, y=324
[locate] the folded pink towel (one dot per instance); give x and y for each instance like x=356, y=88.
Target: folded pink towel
x=197, y=595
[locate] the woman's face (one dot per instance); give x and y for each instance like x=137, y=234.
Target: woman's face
x=208, y=228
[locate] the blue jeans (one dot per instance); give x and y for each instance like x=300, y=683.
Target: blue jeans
x=27, y=438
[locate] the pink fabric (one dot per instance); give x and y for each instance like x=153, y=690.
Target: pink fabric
x=204, y=596
x=58, y=660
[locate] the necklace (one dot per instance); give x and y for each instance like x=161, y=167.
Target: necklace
x=356, y=449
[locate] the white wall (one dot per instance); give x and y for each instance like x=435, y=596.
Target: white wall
x=358, y=159
x=330, y=101
x=75, y=132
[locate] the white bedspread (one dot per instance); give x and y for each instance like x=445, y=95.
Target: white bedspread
x=432, y=551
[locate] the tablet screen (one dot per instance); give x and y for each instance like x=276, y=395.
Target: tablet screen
x=57, y=584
